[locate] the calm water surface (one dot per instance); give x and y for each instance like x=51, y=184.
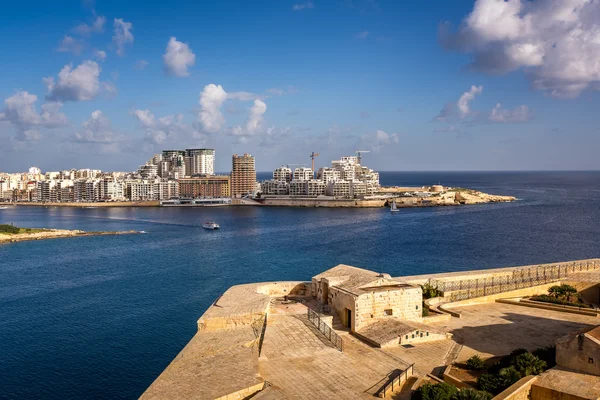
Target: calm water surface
x=101, y=317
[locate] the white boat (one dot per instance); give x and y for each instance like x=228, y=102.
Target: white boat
x=393, y=208
x=210, y=225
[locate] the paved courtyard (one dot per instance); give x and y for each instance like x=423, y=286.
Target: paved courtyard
x=496, y=329
x=300, y=363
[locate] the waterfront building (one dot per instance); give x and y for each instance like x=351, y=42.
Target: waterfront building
x=148, y=171
x=329, y=175
x=298, y=188
x=113, y=190
x=315, y=187
x=282, y=174
x=168, y=189
x=275, y=187
x=205, y=186
x=141, y=189
x=200, y=161
x=303, y=174
x=243, y=175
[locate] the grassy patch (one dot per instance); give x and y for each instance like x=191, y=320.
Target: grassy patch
x=15, y=230
x=549, y=299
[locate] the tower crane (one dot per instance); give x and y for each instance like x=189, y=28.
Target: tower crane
x=359, y=154
x=312, y=156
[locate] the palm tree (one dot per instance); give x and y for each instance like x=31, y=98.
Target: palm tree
x=528, y=364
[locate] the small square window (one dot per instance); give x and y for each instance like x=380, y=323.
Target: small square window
x=427, y=333
x=421, y=334
x=590, y=360
x=413, y=335
x=388, y=311
x=407, y=336
x=416, y=307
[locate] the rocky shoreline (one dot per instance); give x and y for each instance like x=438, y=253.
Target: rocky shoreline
x=55, y=234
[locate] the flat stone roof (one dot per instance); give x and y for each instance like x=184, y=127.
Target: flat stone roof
x=358, y=280
x=384, y=330
x=564, y=381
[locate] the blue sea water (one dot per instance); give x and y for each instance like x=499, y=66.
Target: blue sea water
x=101, y=317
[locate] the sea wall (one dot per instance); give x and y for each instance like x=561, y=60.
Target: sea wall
x=92, y=204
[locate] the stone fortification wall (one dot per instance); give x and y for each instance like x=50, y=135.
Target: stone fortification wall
x=315, y=202
x=472, y=284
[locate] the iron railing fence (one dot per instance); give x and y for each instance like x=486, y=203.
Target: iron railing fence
x=325, y=329
x=519, y=278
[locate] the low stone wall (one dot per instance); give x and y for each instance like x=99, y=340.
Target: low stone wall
x=453, y=380
x=151, y=203
x=530, y=291
x=549, y=306
x=520, y=390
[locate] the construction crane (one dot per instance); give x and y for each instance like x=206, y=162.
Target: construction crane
x=312, y=157
x=359, y=154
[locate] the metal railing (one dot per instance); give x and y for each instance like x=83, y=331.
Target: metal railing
x=396, y=381
x=518, y=278
x=325, y=329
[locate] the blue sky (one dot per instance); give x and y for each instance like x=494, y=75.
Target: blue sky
x=283, y=78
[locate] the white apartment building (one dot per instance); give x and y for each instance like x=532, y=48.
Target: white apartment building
x=200, y=161
x=329, y=175
x=283, y=174
x=315, y=187
x=113, y=190
x=275, y=187
x=302, y=174
x=298, y=188
x=168, y=189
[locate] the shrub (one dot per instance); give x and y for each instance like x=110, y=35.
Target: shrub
x=425, y=312
x=475, y=363
x=528, y=364
x=549, y=299
x=472, y=394
x=547, y=354
x=439, y=391
x=430, y=291
x=490, y=383
x=509, y=376
x=4, y=228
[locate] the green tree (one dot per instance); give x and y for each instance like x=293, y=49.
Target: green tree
x=429, y=291
x=475, y=363
x=490, y=383
x=528, y=364
x=509, y=376
x=472, y=394
x=555, y=291
x=439, y=391
x=547, y=354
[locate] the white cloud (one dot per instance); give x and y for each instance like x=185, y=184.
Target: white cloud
x=96, y=27
x=211, y=99
x=302, y=6
x=466, y=98
x=255, y=118
x=275, y=91
x=100, y=55
x=97, y=129
x=70, y=45
x=141, y=64
x=19, y=110
x=178, y=58
x=361, y=35
x=79, y=84
x=158, y=130
x=556, y=42
x=123, y=35
x=242, y=96
x=379, y=139
x=502, y=115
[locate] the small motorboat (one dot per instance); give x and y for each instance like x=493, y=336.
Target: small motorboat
x=210, y=225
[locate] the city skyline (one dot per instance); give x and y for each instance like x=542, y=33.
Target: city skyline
x=423, y=87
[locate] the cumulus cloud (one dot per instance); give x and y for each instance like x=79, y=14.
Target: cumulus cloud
x=503, y=115
x=122, y=35
x=70, y=44
x=303, y=6
x=97, y=129
x=178, y=58
x=379, y=139
x=100, y=55
x=158, y=130
x=96, y=27
x=75, y=84
x=361, y=35
x=461, y=108
x=212, y=98
x=20, y=111
x=466, y=98
x=556, y=42
x=255, y=118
